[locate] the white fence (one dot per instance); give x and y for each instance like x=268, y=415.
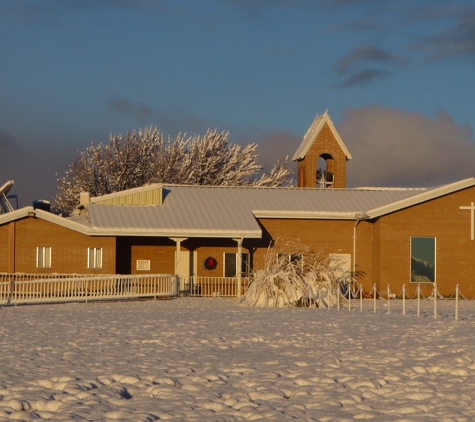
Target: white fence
x=356, y=295
x=33, y=288
x=213, y=286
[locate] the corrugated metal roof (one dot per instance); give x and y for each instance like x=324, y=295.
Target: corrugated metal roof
x=232, y=211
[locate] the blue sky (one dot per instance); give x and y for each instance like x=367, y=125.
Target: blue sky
x=396, y=77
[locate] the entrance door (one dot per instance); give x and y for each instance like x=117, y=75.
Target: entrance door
x=187, y=268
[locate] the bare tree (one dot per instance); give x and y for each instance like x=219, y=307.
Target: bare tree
x=146, y=157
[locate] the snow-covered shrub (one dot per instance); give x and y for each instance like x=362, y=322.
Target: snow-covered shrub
x=293, y=275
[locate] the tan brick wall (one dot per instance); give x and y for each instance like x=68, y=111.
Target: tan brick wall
x=68, y=248
x=325, y=143
x=325, y=236
x=455, y=252
x=4, y=248
x=160, y=252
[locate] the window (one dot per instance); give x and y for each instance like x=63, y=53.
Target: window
x=422, y=259
x=43, y=257
x=94, y=258
x=230, y=264
x=143, y=265
x=293, y=258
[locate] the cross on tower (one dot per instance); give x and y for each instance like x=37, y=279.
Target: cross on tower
x=472, y=215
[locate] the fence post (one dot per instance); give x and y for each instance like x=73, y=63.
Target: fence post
x=435, y=300
x=456, y=302
x=404, y=299
x=418, y=299
x=349, y=297
x=389, y=301
x=361, y=298
x=338, y=296
x=374, y=298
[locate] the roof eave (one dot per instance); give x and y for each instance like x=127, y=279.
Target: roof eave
x=312, y=134
x=310, y=215
x=256, y=234
x=421, y=197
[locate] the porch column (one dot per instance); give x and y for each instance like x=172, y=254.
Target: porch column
x=239, y=267
x=178, y=241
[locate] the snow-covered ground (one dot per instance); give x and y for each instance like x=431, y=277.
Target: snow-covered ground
x=211, y=359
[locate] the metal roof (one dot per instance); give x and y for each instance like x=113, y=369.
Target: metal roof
x=206, y=211
x=233, y=212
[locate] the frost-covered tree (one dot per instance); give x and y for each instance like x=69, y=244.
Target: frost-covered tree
x=147, y=157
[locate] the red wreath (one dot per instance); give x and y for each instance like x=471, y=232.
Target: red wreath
x=210, y=263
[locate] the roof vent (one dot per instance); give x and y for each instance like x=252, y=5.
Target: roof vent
x=42, y=204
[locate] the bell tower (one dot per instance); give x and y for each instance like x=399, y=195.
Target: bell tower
x=323, y=142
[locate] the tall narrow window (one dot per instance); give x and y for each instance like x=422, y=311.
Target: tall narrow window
x=422, y=259
x=94, y=258
x=43, y=257
x=230, y=264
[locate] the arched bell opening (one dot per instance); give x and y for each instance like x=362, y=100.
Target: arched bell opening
x=325, y=171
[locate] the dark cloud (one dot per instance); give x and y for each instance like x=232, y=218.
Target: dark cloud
x=365, y=54
x=459, y=40
x=9, y=146
x=170, y=122
x=363, y=77
x=6, y=139
x=353, y=67
x=391, y=147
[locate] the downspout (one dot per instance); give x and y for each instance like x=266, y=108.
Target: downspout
x=358, y=216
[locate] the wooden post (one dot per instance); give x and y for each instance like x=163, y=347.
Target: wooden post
x=361, y=298
x=374, y=298
x=239, y=267
x=389, y=301
x=349, y=296
x=338, y=296
x=456, y=302
x=435, y=300
x=404, y=299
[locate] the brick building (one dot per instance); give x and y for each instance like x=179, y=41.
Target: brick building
x=386, y=235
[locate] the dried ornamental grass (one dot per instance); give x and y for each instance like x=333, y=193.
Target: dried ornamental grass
x=293, y=275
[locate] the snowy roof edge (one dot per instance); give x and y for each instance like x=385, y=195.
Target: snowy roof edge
x=312, y=134
x=421, y=197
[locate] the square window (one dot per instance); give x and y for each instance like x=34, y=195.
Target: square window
x=43, y=257
x=143, y=265
x=422, y=259
x=94, y=258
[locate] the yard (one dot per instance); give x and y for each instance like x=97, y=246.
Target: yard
x=211, y=359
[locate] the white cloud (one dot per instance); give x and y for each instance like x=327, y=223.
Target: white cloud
x=391, y=147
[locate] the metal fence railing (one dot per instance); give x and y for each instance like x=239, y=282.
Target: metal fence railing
x=28, y=288
x=213, y=286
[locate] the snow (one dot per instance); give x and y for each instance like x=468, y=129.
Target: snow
x=212, y=359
